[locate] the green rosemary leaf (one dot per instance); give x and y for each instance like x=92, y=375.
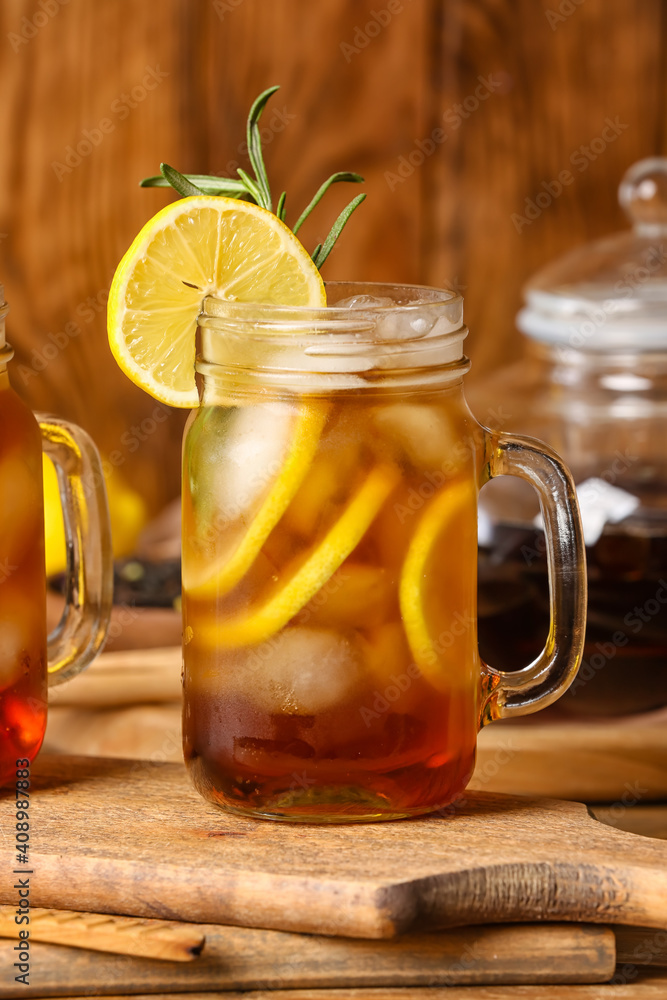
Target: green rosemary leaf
x=257, y=189
x=251, y=187
x=180, y=183
x=208, y=184
x=336, y=230
x=334, y=179
x=280, y=210
x=254, y=141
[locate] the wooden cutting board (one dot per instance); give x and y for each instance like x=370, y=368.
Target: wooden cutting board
x=243, y=958
x=133, y=837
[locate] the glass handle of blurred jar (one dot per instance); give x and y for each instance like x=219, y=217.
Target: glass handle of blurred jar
x=82, y=629
x=526, y=690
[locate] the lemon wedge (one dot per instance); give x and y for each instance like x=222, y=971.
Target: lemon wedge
x=261, y=623
x=220, y=579
x=192, y=248
x=445, y=509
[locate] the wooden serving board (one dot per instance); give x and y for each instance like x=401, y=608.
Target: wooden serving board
x=237, y=958
x=135, y=838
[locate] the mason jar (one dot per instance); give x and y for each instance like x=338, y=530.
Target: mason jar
x=593, y=384
x=330, y=481
x=31, y=660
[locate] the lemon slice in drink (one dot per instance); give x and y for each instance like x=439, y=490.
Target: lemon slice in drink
x=261, y=623
x=220, y=579
x=438, y=517
x=192, y=248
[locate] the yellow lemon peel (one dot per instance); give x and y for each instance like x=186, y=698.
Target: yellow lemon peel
x=261, y=623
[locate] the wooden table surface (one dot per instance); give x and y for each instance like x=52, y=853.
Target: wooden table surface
x=127, y=705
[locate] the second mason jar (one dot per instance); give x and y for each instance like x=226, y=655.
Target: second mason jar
x=593, y=384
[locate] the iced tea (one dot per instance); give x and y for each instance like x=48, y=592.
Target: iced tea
x=22, y=585
x=329, y=572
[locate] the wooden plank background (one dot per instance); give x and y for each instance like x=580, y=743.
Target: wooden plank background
x=364, y=84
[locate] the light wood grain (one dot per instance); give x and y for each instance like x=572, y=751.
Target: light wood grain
x=645, y=985
x=134, y=838
x=448, y=222
x=238, y=958
x=149, y=732
x=142, y=676
x=622, y=762
x=166, y=940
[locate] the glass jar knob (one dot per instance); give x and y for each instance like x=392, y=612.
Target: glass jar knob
x=643, y=194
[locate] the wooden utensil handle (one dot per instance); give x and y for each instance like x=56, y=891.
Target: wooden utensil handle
x=164, y=939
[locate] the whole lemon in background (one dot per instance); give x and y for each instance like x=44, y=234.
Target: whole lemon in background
x=127, y=511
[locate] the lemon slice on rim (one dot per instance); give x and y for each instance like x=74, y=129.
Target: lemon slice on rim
x=438, y=516
x=260, y=623
x=192, y=248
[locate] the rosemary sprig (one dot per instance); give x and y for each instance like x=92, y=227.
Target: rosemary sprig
x=323, y=250
x=334, y=179
x=254, y=141
x=257, y=189
x=229, y=187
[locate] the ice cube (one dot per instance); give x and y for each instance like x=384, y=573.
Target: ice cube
x=424, y=434
x=421, y=324
x=364, y=302
x=243, y=459
x=394, y=326
x=301, y=671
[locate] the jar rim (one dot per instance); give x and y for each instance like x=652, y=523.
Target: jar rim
x=406, y=298
x=403, y=334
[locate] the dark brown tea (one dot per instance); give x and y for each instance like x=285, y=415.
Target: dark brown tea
x=624, y=668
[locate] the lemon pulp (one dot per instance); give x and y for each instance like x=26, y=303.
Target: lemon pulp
x=196, y=247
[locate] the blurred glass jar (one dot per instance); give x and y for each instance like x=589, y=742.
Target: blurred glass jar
x=593, y=384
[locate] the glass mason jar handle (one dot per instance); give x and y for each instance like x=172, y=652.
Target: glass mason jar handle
x=81, y=631
x=520, y=692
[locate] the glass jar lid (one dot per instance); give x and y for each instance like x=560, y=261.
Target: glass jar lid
x=611, y=294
